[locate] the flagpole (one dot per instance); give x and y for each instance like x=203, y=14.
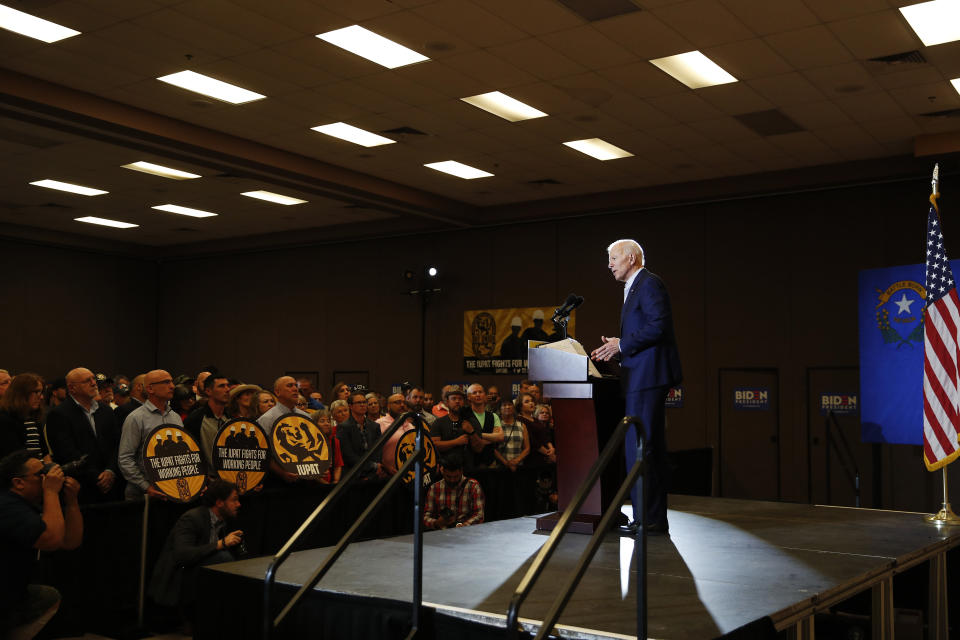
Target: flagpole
x=946, y=514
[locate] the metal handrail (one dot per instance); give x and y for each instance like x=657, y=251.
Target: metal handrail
x=845, y=454
x=635, y=475
x=416, y=459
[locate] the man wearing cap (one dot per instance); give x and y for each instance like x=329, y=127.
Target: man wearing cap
x=81, y=426
x=482, y=427
x=286, y=390
x=396, y=405
x=105, y=386
x=137, y=427
x=307, y=391
x=205, y=423
x=58, y=392
x=447, y=432
x=513, y=346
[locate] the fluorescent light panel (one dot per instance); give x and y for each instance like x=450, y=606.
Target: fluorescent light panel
x=72, y=188
x=458, y=169
x=269, y=196
x=160, y=170
x=597, y=148
x=32, y=26
x=184, y=211
x=934, y=22
x=199, y=83
x=352, y=134
x=106, y=222
x=500, y=104
x=694, y=70
x=373, y=47
x=956, y=84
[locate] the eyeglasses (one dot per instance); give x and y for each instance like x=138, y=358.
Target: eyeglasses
x=27, y=475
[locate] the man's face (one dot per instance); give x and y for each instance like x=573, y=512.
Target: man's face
x=620, y=263
x=228, y=508
x=5, y=379
x=395, y=405
x=428, y=400
x=452, y=477
x=455, y=403
x=198, y=386
x=534, y=390
x=477, y=395
x=82, y=384
x=287, y=391
x=358, y=407
x=159, y=384
x=493, y=395
x=218, y=390
x=415, y=399
x=30, y=482
x=106, y=394
x=306, y=388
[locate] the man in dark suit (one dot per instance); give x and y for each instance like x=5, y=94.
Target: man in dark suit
x=202, y=536
x=647, y=350
x=81, y=426
x=137, y=398
x=357, y=434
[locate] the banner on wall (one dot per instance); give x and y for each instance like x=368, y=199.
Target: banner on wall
x=495, y=340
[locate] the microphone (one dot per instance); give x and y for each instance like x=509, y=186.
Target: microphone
x=572, y=302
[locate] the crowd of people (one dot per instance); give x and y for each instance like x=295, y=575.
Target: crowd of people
x=81, y=438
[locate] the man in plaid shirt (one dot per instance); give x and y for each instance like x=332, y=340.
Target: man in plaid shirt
x=455, y=501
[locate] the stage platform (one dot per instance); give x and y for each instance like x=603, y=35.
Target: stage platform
x=732, y=568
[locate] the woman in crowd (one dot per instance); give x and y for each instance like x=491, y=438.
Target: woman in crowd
x=340, y=391
x=516, y=441
x=373, y=406
x=243, y=402
x=544, y=414
x=332, y=475
x=21, y=417
x=265, y=402
x=541, y=447
x=339, y=412
x=183, y=401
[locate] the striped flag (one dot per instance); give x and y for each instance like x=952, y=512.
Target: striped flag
x=941, y=352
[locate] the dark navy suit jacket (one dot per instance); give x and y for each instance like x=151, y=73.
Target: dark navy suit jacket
x=648, y=347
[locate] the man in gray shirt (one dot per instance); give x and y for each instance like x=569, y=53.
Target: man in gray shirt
x=137, y=427
x=287, y=392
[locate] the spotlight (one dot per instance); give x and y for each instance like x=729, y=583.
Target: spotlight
x=408, y=275
x=432, y=272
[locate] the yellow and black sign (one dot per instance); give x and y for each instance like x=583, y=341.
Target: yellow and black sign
x=240, y=454
x=299, y=446
x=172, y=463
x=495, y=340
x=405, y=448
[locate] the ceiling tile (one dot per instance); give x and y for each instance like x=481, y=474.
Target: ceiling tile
x=471, y=22
x=536, y=58
x=686, y=107
x=589, y=47
x=645, y=35
x=866, y=107
x=638, y=112
x=816, y=115
x=190, y=33
x=443, y=78
x=307, y=18
x=927, y=98
x=248, y=25
x=642, y=79
x=830, y=10
x=801, y=142
x=496, y=73
x=360, y=10
x=706, y=23
x=535, y=17
x=877, y=34
x=789, y=88
x=921, y=74
x=842, y=79
x=748, y=59
x=734, y=98
x=893, y=129
x=724, y=130
x=680, y=136
x=764, y=17
x=809, y=47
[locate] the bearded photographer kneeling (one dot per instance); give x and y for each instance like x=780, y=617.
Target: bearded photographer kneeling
x=32, y=519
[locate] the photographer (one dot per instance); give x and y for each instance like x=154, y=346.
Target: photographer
x=200, y=537
x=455, y=501
x=32, y=519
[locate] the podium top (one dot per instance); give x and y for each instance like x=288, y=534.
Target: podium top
x=563, y=361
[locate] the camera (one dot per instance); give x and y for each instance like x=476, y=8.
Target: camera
x=446, y=512
x=73, y=468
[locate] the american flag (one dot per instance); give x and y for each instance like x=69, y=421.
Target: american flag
x=941, y=357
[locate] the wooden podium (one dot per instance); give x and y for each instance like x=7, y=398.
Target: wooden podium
x=585, y=412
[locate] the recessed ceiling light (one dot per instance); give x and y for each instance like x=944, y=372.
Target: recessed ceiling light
x=458, y=169
x=66, y=186
x=934, y=22
x=500, y=104
x=106, y=222
x=694, y=69
x=597, y=148
x=160, y=170
x=32, y=26
x=184, y=211
x=352, y=134
x=269, y=196
x=212, y=87
x=367, y=44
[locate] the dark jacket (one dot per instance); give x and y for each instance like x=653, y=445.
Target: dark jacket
x=647, y=344
x=352, y=443
x=13, y=435
x=70, y=437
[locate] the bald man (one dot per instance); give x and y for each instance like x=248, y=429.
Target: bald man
x=81, y=426
x=287, y=392
x=158, y=385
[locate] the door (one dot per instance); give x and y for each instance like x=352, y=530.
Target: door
x=749, y=434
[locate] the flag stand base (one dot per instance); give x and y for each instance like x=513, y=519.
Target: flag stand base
x=944, y=516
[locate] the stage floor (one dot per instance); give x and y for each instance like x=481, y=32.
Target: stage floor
x=726, y=564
